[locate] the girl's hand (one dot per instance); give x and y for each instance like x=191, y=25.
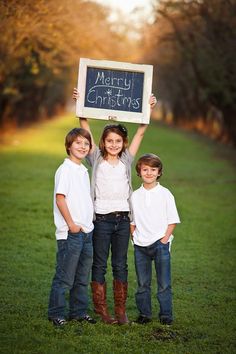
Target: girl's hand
x=75, y=95
x=152, y=101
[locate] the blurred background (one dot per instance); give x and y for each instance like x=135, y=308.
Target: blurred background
x=192, y=45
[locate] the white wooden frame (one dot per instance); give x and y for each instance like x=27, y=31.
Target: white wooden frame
x=115, y=115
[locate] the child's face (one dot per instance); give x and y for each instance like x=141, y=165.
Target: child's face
x=113, y=144
x=149, y=174
x=79, y=149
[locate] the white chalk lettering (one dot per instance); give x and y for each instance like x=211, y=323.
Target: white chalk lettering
x=109, y=91
x=122, y=83
x=100, y=77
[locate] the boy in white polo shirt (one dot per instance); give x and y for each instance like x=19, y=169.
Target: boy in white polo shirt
x=154, y=219
x=73, y=217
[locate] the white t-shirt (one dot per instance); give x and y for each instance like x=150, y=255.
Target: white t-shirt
x=153, y=211
x=72, y=180
x=112, y=188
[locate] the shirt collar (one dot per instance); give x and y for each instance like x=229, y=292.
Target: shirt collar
x=74, y=165
x=152, y=190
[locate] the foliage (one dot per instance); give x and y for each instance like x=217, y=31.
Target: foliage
x=41, y=43
x=203, y=252
x=192, y=45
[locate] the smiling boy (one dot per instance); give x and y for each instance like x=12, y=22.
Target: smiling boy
x=154, y=219
x=73, y=217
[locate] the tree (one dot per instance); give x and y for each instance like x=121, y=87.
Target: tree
x=41, y=43
x=194, y=52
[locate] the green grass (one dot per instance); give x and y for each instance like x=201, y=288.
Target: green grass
x=201, y=175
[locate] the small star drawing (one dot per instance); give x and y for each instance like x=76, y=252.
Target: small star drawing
x=109, y=92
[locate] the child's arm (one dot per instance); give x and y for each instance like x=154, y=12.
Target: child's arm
x=84, y=121
x=168, y=233
x=138, y=137
x=62, y=206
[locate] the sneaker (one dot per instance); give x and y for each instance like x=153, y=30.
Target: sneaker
x=86, y=318
x=143, y=320
x=166, y=321
x=58, y=322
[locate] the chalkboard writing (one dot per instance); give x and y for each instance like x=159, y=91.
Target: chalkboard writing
x=114, y=89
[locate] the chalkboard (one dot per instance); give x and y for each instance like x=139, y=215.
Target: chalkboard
x=114, y=90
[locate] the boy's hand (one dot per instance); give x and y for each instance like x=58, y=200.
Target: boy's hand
x=75, y=228
x=152, y=101
x=75, y=95
x=132, y=228
x=164, y=240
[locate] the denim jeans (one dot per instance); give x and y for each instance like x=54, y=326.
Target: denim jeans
x=74, y=261
x=110, y=232
x=159, y=253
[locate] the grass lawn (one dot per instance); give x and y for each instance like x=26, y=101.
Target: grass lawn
x=201, y=175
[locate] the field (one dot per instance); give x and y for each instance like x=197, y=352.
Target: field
x=202, y=176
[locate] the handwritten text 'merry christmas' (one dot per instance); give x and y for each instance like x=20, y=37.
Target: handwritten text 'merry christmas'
x=109, y=90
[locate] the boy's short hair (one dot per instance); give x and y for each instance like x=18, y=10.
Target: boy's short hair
x=151, y=160
x=113, y=128
x=72, y=135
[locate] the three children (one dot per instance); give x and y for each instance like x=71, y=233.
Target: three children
x=154, y=219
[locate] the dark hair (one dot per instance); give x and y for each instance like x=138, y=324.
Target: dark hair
x=113, y=128
x=72, y=135
x=150, y=160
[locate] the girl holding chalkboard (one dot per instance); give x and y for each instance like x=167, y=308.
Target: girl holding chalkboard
x=111, y=190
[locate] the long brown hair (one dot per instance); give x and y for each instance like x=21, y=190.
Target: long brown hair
x=113, y=128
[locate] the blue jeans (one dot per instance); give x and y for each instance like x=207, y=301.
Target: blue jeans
x=74, y=261
x=111, y=231
x=159, y=253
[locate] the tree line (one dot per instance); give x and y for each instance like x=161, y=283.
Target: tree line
x=41, y=43
x=192, y=45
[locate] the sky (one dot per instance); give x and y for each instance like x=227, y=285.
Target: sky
x=125, y=5
x=142, y=14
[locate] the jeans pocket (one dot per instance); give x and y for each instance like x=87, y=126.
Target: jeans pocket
x=100, y=218
x=75, y=233
x=126, y=218
x=164, y=244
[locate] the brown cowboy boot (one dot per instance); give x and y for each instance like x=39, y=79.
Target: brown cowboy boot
x=99, y=301
x=120, y=296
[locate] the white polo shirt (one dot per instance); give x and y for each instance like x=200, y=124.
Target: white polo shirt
x=72, y=180
x=153, y=211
